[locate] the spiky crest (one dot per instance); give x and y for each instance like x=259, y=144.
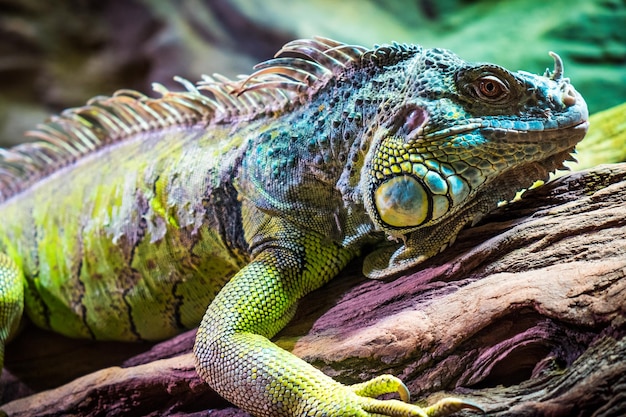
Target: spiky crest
x=298, y=70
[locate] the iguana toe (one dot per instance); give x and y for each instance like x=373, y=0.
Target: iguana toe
x=451, y=405
x=384, y=384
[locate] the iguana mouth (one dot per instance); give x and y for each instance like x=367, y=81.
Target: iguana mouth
x=551, y=140
x=508, y=128
x=479, y=124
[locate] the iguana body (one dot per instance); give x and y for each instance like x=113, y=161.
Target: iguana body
x=131, y=215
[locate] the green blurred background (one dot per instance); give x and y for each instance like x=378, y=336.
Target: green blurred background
x=59, y=53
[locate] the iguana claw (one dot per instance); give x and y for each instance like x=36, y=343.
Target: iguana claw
x=450, y=405
x=384, y=384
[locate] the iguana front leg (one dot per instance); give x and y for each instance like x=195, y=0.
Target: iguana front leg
x=11, y=300
x=234, y=355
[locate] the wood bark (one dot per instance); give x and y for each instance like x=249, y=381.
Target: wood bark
x=525, y=315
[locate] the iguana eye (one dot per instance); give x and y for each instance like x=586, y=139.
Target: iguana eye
x=491, y=88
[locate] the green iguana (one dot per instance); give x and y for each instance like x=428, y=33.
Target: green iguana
x=130, y=215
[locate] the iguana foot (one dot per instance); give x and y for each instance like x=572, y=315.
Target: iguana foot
x=395, y=408
x=387, y=384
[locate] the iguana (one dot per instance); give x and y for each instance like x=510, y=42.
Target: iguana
x=127, y=217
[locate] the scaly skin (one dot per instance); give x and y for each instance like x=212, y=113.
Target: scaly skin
x=132, y=215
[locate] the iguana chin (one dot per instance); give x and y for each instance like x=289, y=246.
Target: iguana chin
x=130, y=215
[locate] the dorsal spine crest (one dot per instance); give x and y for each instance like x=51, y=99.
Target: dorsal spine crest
x=297, y=72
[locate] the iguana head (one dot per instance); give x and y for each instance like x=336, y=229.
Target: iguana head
x=425, y=141
x=453, y=140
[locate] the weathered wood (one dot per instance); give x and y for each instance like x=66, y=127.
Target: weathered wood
x=525, y=314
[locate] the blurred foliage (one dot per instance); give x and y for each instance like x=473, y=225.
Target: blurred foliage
x=58, y=53
x=606, y=140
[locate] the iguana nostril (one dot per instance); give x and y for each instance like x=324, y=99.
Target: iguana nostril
x=568, y=96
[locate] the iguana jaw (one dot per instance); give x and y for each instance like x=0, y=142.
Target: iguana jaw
x=411, y=249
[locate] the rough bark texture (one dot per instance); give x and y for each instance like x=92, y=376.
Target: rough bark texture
x=524, y=314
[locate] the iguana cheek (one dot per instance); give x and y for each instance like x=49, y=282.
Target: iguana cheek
x=402, y=202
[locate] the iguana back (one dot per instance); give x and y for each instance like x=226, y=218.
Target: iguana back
x=151, y=222
x=133, y=201
x=130, y=224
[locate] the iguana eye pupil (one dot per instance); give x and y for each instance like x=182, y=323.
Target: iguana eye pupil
x=490, y=88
